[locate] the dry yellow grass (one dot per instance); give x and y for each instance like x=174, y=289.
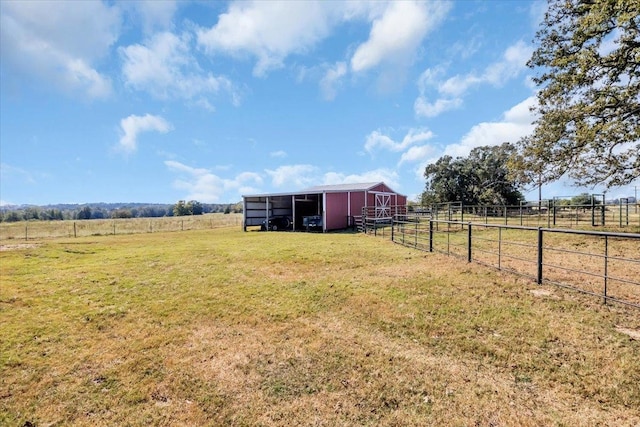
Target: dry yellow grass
x=221, y=327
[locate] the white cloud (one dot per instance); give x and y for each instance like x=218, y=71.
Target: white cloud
x=7, y=172
x=278, y=154
x=133, y=125
x=423, y=108
x=155, y=14
x=293, y=176
x=57, y=43
x=378, y=140
x=165, y=67
x=513, y=62
x=332, y=79
x=387, y=176
x=396, y=35
x=452, y=90
x=536, y=12
x=416, y=154
x=515, y=124
x=204, y=186
x=269, y=31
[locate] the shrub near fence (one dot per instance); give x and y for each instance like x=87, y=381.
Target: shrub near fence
x=597, y=263
x=28, y=230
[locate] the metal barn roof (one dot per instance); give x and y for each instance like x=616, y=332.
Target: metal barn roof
x=341, y=187
x=319, y=189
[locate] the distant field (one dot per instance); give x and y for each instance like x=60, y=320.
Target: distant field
x=25, y=230
x=220, y=327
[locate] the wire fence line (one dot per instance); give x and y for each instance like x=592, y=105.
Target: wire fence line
x=598, y=263
x=32, y=230
x=546, y=213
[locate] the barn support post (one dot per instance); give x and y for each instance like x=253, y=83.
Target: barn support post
x=244, y=214
x=293, y=212
x=267, y=213
x=324, y=211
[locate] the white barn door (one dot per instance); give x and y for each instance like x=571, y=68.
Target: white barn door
x=383, y=205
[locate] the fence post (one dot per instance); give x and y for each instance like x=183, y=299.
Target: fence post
x=392, y=231
x=430, y=235
x=469, y=242
x=606, y=265
x=114, y=227
x=521, y=213
x=539, y=256
x=26, y=232
x=500, y=248
x=74, y=229
x=415, y=244
x=620, y=203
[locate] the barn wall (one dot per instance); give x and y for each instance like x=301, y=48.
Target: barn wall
x=382, y=187
x=371, y=199
x=357, y=202
x=337, y=210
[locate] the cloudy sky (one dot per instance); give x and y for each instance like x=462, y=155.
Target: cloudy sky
x=156, y=101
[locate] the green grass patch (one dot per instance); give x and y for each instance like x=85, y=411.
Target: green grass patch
x=221, y=327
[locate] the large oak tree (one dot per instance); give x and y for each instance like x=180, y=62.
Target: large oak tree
x=588, y=126
x=480, y=178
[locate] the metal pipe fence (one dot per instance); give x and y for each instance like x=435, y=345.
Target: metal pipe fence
x=546, y=213
x=602, y=264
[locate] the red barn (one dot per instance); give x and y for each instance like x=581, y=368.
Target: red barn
x=325, y=207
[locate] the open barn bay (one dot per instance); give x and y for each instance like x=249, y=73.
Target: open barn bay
x=221, y=327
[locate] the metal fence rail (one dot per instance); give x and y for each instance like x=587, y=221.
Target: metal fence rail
x=597, y=263
x=546, y=213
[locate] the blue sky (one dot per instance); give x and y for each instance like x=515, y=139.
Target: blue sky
x=157, y=101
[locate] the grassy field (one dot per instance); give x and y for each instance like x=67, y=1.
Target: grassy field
x=30, y=230
x=221, y=327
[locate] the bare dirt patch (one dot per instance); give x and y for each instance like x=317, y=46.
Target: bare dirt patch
x=17, y=246
x=543, y=293
x=633, y=333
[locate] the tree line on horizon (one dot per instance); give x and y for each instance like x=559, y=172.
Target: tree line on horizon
x=113, y=211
